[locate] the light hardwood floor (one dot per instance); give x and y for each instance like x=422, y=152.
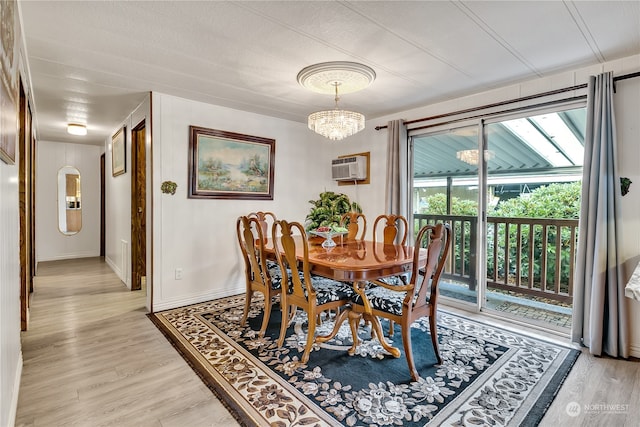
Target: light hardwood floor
x=93, y=358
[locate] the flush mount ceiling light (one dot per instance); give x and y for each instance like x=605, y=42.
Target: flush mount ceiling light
x=331, y=78
x=76, y=129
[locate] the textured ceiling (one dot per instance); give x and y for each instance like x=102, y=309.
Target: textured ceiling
x=94, y=61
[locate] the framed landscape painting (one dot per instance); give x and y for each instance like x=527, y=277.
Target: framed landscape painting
x=227, y=165
x=119, y=153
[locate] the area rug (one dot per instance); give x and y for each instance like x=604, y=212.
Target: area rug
x=489, y=376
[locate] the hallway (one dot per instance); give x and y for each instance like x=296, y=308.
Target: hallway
x=93, y=358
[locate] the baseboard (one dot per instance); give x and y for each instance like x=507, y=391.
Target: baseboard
x=116, y=270
x=195, y=299
x=69, y=256
x=634, y=351
x=13, y=410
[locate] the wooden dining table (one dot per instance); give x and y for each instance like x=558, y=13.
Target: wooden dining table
x=358, y=261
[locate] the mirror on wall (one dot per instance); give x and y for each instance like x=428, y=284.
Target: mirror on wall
x=69, y=201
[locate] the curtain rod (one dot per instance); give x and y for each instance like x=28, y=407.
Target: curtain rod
x=511, y=101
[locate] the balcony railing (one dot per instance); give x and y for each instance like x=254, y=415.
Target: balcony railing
x=533, y=256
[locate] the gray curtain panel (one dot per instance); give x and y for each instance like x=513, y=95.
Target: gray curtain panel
x=600, y=319
x=397, y=184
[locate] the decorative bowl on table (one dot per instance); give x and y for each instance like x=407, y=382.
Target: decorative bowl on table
x=328, y=234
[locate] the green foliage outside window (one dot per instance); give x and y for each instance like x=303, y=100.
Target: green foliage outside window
x=556, y=201
x=437, y=205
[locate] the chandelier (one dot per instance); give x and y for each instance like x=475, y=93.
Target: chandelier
x=328, y=77
x=471, y=156
x=336, y=124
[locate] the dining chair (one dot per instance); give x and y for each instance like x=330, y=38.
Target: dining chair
x=313, y=294
x=394, y=230
x=261, y=275
x=266, y=221
x=404, y=304
x=352, y=221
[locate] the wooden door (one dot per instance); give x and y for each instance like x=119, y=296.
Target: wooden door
x=138, y=207
x=25, y=208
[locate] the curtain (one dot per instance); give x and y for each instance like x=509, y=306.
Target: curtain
x=600, y=319
x=396, y=189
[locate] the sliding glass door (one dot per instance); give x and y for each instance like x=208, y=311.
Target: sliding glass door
x=510, y=189
x=445, y=189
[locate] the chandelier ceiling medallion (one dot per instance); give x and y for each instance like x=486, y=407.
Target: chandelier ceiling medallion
x=334, y=78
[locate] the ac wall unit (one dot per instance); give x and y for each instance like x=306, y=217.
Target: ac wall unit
x=349, y=168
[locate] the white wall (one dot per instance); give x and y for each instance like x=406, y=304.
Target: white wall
x=627, y=111
x=118, y=198
x=51, y=244
x=198, y=235
x=10, y=346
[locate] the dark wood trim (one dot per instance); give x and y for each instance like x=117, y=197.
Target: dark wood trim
x=32, y=142
x=102, y=204
x=149, y=137
x=24, y=205
x=138, y=206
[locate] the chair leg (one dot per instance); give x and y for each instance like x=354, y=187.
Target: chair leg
x=266, y=315
x=247, y=304
x=408, y=352
x=434, y=336
x=310, y=338
x=284, y=324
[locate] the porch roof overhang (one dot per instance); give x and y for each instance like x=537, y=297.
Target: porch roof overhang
x=550, y=143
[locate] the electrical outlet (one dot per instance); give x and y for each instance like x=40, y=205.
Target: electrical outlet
x=178, y=274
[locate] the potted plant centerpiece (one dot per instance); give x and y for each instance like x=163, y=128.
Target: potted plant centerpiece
x=325, y=214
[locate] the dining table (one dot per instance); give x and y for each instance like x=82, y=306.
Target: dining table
x=358, y=262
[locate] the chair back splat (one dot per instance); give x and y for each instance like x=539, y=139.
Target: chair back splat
x=262, y=275
x=352, y=221
x=266, y=221
x=395, y=229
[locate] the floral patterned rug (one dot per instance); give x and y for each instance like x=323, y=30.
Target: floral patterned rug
x=489, y=376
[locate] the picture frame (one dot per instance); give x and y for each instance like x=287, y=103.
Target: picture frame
x=119, y=152
x=8, y=128
x=228, y=165
x=8, y=83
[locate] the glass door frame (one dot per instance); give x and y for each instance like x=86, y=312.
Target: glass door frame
x=483, y=177
x=480, y=257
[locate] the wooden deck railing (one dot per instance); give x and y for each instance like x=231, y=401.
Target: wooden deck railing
x=533, y=256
